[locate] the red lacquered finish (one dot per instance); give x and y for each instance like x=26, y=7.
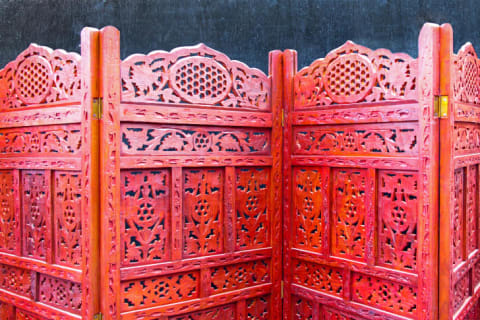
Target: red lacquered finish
x=191, y=198
x=360, y=175
x=48, y=228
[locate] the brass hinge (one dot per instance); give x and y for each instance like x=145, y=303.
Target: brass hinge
x=97, y=107
x=441, y=106
x=281, y=289
x=98, y=316
x=283, y=118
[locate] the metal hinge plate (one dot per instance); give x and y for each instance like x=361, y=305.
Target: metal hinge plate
x=283, y=118
x=97, y=107
x=98, y=316
x=281, y=289
x=441, y=106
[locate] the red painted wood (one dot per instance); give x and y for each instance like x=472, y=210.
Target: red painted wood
x=47, y=229
x=191, y=185
x=459, y=202
x=360, y=181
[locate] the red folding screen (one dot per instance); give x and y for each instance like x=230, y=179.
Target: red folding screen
x=46, y=217
x=191, y=205
x=155, y=187
x=361, y=150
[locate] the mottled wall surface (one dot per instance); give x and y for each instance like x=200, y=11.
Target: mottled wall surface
x=244, y=29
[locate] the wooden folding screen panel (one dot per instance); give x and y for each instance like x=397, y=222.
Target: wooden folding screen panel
x=459, y=191
x=47, y=219
x=191, y=185
x=360, y=197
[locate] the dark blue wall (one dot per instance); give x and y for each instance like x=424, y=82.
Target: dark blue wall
x=243, y=29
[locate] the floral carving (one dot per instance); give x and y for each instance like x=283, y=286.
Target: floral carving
x=197, y=75
x=40, y=75
x=352, y=73
x=466, y=75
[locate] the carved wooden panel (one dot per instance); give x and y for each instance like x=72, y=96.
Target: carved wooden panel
x=160, y=140
x=40, y=75
x=349, y=210
x=67, y=221
x=145, y=216
x=7, y=311
x=9, y=215
x=60, y=293
x=251, y=203
x=360, y=184
x=203, y=213
x=36, y=214
x=194, y=75
x=397, y=207
x=17, y=280
x=192, y=174
x=352, y=73
x=368, y=139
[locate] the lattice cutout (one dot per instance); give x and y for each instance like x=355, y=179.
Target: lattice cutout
x=68, y=223
x=309, y=192
x=397, y=207
x=9, y=220
x=466, y=75
x=258, y=308
x=318, y=277
x=36, y=214
x=203, y=212
x=458, y=222
x=352, y=73
x=17, y=280
x=172, y=140
x=251, y=208
x=226, y=312
x=198, y=75
x=161, y=290
x=239, y=276
x=40, y=75
x=349, y=238
x=302, y=308
x=145, y=216
x=60, y=293
x=383, y=294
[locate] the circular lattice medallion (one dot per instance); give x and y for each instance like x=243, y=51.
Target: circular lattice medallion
x=33, y=80
x=349, y=78
x=200, y=80
x=471, y=78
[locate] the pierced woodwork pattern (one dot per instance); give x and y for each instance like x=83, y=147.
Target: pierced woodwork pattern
x=23, y=315
x=16, y=280
x=239, y=276
x=352, y=73
x=329, y=314
x=474, y=312
x=7, y=311
x=36, y=213
x=302, y=308
x=197, y=75
x=366, y=139
x=258, y=308
x=461, y=291
x=51, y=140
x=383, y=294
x=145, y=216
x=60, y=293
x=68, y=222
x=40, y=75
x=203, y=212
x=309, y=194
x=251, y=208
x=161, y=290
x=458, y=218
x=161, y=140
x=226, y=312
x=466, y=75
x=318, y=277
x=398, y=210
x=472, y=209
x=466, y=138
x=348, y=238
x=9, y=222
